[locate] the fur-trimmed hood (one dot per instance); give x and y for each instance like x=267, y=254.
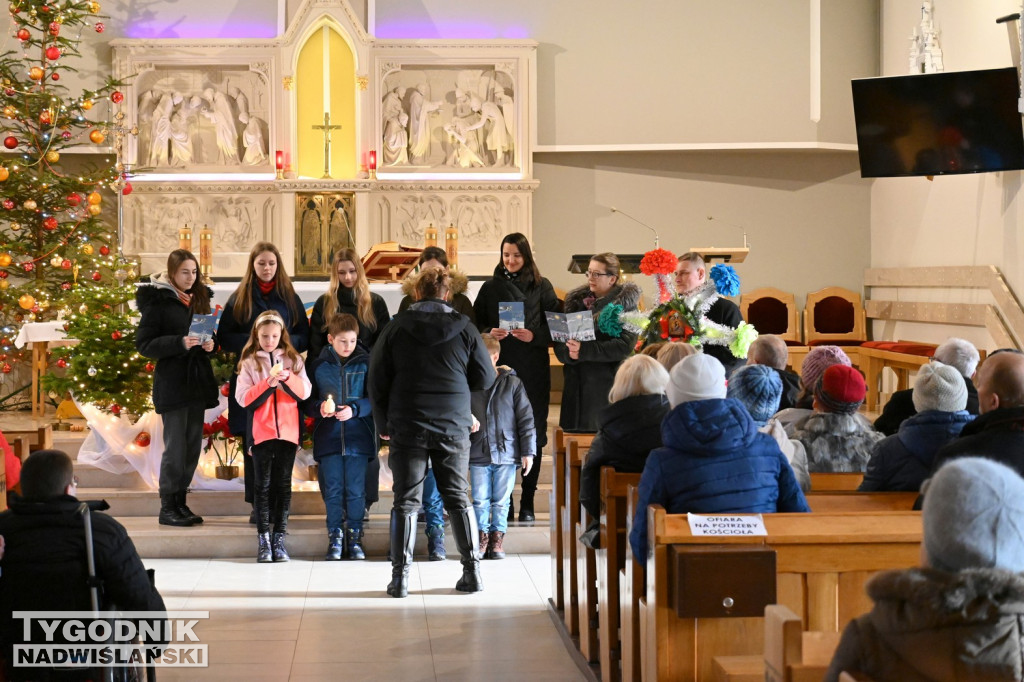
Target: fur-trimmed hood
x=626, y=294
x=928, y=598
x=158, y=287
x=836, y=442
x=460, y=284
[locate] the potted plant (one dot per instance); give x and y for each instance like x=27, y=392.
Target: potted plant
x=309, y=423
x=224, y=445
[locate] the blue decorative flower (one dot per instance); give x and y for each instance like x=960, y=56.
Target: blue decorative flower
x=609, y=322
x=727, y=283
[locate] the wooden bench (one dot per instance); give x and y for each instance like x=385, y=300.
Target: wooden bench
x=631, y=589
x=828, y=481
x=831, y=502
x=38, y=439
x=791, y=653
x=576, y=449
x=821, y=564
x=558, y=512
x=611, y=562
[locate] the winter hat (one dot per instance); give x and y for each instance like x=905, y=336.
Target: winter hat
x=939, y=387
x=759, y=388
x=840, y=389
x=695, y=377
x=818, y=360
x=973, y=516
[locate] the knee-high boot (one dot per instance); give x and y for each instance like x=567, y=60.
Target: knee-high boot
x=465, y=532
x=403, y=543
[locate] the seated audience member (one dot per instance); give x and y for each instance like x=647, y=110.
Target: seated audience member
x=961, y=615
x=903, y=461
x=817, y=361
x=670, y=354
x=714, y=460
x=956, y=353
x=759, y=388
x=653, y=348
x=837, y=438
x=771, y=351
x=998, y=433
x=44, y=565
x=628, y=428
x=12, y=465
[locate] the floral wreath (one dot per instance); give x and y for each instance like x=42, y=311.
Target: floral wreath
x=673, y=313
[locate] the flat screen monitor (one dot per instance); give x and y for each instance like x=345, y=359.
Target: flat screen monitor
x=938, y=123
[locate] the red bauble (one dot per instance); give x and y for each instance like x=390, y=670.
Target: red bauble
x=150, y=366
x=116, y=335
x=54, y=28
x=142, y=440
x=6, y=368
x=116, y=97
x=115, y=409
x=66, y=135
x=10, y=142
x=8, y=204
x=62, y=363
x=28, y=266
x=74, y=199
x=100, y=27
x=45, y=9
x=225, y=390
x=45, y=117
x=127, y=189
x=55, y=76
x=3, y=274
x=50, y=223
x=104, y=250
x=23, y=34
x=65, y=286
x=53, y=53
x=65, y=264
x=96, y=276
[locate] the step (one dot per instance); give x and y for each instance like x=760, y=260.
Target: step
x=233, y=537
x=129, y=502
x=94, y=477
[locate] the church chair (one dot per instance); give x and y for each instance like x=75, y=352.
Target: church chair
x=835, y=316
x=772, y=311
x=792, y=654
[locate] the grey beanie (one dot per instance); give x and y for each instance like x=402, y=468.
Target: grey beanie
x=759, y=388
x=939, y=387
x=973, y=516
x=696, y=377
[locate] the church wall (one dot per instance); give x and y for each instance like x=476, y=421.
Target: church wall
x=953, y=220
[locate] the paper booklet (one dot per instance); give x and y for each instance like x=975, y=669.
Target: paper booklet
x=203, y=327
x=511, y=315
x=578, y=326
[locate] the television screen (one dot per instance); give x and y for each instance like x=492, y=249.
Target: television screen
x=938, y=123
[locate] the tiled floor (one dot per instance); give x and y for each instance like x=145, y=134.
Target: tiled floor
x=316, y=620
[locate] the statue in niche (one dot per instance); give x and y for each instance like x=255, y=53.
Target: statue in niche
x=219, y=111
x=160, y=130
x=462, y=145
x=497, y=141
x=147, y=104
x=419, y=129
x=309, y=233
x=181, y=133
x=396, y=134
x=340, y=232
x=508, y=112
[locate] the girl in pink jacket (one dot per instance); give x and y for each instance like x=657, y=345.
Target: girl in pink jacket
x=271, y=382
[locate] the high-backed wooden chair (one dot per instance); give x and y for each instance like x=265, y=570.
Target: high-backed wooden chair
x=834, y=315
x=772, y=311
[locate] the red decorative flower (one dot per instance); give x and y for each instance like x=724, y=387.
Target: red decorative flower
x=658, y=262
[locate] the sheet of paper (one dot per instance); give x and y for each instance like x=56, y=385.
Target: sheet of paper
x=726, y=524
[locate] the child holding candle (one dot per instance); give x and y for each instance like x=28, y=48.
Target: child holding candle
x=344, y=439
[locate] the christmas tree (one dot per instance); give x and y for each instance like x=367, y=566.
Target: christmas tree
x=57, y=255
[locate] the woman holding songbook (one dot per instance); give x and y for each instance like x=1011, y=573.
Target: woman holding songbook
x=183, y=383
x=590, y=366
x=523, y=332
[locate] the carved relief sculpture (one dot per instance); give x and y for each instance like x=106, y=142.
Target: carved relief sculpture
x=396, y=135
x=419, y=130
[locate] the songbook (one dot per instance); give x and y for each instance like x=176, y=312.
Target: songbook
x=511, y=315
x=203, y=327
x=576, y=326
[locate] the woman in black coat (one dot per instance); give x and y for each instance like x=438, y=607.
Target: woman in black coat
x=435, y=257
x=265, y=286
x=183, y=383
x=349, y=292
x=590, y=366
x=517, y=278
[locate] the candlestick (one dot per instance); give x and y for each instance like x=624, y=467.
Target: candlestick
x=451, y=246
x=279, y=163
x=206, y=251
x=185, y=238
x=371, y=164
x=430, y=236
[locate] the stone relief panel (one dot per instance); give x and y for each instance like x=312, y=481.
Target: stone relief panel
x=479, y=221
x=449, y=117
x=204, y=118
x=413, y=214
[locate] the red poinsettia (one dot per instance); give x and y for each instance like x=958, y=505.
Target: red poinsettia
x=658, y=262
x=219, y=431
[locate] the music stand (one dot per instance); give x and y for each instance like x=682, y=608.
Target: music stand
x=715, y=254
x=390, y=261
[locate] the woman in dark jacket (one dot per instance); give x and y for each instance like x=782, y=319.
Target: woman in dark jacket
x=590, y=366
x=422, y=371
x=183, y=383
x=435, y=257
x=265, y=286
x=630, y=426
x=517, y=278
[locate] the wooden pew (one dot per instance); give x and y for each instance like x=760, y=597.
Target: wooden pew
x=577, y=446
x=822, y=563
x=792, y=654
x=586, y=584
x=852, y=501
x=828, y=481
x=555, y=521
x=631, y=588
x=611, y=561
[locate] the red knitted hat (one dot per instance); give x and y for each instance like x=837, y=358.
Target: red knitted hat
x=841, y=389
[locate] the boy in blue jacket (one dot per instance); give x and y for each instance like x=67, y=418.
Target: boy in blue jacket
x=505, y=439
x=344, y=438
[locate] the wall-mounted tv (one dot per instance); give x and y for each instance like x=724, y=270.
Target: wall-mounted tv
x=938, y=123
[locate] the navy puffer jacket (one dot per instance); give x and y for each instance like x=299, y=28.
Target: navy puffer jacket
x=344, y=379
x=904, y=460
x=714, y=461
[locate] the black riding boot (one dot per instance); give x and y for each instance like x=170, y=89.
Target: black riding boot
x=403, y=543
x=170, y=515
x=183, y=509
x=465, y=532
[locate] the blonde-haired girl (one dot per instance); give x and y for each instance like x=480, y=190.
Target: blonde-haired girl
x=271, y=382
x=348, y=292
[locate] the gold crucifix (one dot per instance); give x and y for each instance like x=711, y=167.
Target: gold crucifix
x=327, y=128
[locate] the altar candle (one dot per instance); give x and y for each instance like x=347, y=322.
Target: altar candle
x=451, y=246
x=185, y=238
x=206, y=251
x=430, y=236
x=373, y=160
x=279, y=160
